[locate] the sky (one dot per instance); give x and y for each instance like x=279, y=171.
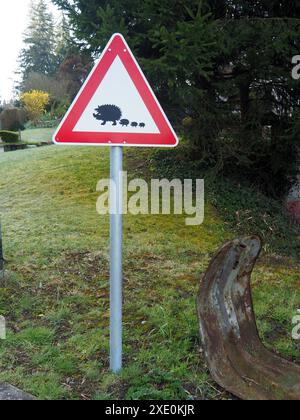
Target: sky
x=13, y=23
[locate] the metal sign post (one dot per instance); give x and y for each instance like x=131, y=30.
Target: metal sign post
x=116, y=280
x=116, y=107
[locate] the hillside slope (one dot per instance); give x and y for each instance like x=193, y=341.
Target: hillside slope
x=55, y=294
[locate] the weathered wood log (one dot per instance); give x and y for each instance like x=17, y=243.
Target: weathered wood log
x=236, y=357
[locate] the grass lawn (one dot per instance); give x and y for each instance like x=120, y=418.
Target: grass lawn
x=55, y=294
x=38, y=135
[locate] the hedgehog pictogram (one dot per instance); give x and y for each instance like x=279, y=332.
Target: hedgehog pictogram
x=113, y=113
x=108, y=113
x=124, y=123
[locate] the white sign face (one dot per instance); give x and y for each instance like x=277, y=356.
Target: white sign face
x=117, y=90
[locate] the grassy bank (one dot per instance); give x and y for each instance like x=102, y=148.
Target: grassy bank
x=55, y=294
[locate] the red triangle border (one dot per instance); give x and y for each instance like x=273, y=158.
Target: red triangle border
x=65, y=134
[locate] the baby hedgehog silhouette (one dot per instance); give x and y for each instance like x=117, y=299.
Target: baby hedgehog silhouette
x=108, y=113
x=124, y=123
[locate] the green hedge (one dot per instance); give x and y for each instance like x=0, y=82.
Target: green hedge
x=9, y=136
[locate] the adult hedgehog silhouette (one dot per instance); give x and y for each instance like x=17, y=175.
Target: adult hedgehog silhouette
x=108, y=113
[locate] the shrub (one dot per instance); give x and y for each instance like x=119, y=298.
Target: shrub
x=61, y=109
x=241, y=205
x=12, y=119
x=35, y=103
x=9, y=136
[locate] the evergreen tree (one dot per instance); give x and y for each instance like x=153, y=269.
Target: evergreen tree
x=64, y=43
x=38, y=55
x=223, y=67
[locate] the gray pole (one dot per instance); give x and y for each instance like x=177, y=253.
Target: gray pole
x=116, y=281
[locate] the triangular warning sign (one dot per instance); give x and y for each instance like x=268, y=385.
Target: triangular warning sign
x=116, y=106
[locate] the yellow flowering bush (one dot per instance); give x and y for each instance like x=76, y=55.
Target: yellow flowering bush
x=35, y=103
